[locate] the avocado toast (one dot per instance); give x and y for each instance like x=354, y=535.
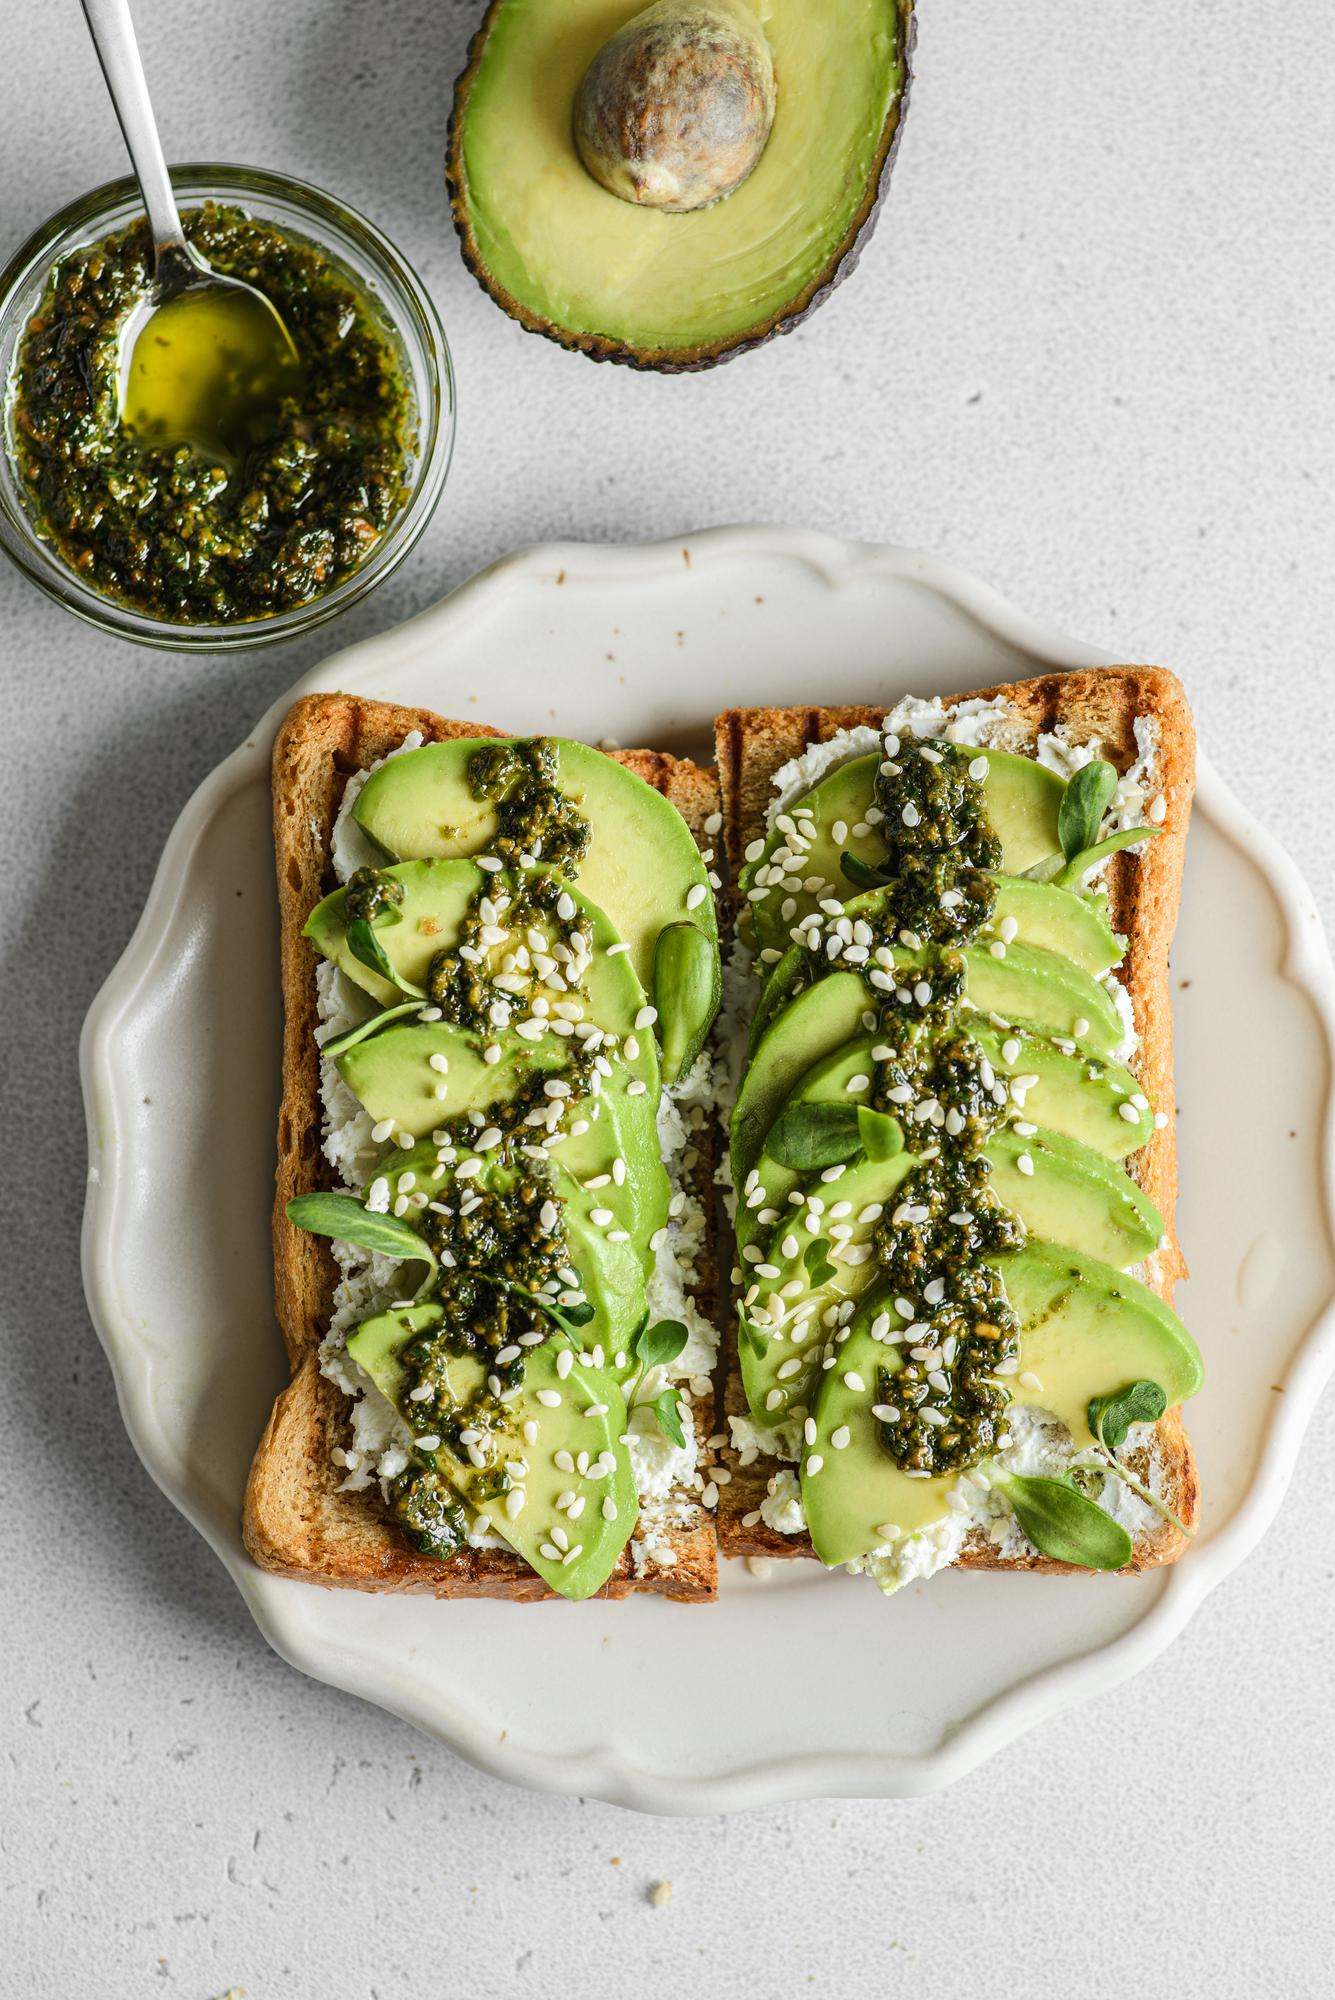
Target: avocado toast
x=953, y=1138
x=500, y=1373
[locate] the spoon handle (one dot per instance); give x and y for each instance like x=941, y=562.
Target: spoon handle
x=112, y=31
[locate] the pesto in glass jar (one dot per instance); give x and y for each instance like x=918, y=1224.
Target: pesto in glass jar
x=256, y=521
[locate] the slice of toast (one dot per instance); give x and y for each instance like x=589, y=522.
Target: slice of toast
x=1103, y=704
x=297, y=1520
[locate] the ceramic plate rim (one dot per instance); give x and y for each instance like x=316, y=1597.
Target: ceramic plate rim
x=607, y=1773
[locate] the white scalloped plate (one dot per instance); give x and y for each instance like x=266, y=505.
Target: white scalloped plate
x=648, y=1703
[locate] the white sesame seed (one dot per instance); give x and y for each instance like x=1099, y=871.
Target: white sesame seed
x=814, y=1462
x=514, y=1502
x=695, y=895
x=1024, y=1163
x=839, y=1438
x=382, y=1131
x=646, y=1017
x=1128, y=1111
x=549, y=1398
x=910, y=814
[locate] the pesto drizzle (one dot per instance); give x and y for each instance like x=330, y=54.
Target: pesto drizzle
x=944, y=1408
x=502, y=1235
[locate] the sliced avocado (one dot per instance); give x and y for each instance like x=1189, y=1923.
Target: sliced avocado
x=641, y=865
x=1087, y=1330
x=1057, y=920
x=580, y=1414
x=1016, y=982
x=625, y=281
x=1126, y=1225
x=612, y=1271
x=392, y=1076
x=1071, y=1194
x=818, y=1019
x=828, y=1275
x=1067, y=1191
x=1077, y=1095
x=1021, y=798
x=435, y=901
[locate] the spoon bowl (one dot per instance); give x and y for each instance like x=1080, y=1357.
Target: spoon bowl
x=204, y=359
x=207, y=363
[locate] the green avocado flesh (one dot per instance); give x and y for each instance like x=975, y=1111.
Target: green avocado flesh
x=1087, y=1331
x=1024, y=983
x=510, y=1085
x=837, y=1250
x=641, y=864
x=436, y=898
x=572, y=260
x=391, y=1075
x=1068, y=1193
x=1029, y=986
x=1022, y=802
x=1071, y=1095
x=586, y=1417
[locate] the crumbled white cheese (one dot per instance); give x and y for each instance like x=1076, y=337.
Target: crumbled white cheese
x=380, y=1438
x=794, y=779
x=1138, y=788
x=751, y=1440
x=982, y=725
x=346, y=1128
x=1042, y=1448
x=350, y=848
x=781, y=1508
x=1121, y=1000
x=661, y=1467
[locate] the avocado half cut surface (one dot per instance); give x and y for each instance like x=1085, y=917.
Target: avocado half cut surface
x=640, y=285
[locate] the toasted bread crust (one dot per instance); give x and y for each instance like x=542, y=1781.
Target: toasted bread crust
x=297, y=1521
x=1103, y=703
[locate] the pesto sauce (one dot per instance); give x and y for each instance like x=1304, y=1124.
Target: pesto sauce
x=510, y=1229
x=160, y=526
x=947, y=1400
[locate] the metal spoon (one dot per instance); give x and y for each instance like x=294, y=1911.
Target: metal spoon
x=203, y=356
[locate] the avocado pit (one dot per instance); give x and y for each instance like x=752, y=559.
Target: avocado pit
x=675, y=109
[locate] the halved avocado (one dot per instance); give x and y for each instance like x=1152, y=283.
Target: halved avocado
x=624, y=282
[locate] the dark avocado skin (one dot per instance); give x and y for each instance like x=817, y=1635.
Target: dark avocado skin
x=680, y=360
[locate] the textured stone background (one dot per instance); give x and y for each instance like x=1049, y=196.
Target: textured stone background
x=1089, y=356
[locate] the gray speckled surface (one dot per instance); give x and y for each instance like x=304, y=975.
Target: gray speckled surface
x=1088, y=356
